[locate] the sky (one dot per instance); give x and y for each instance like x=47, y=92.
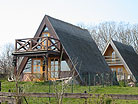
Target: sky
x=21, y=18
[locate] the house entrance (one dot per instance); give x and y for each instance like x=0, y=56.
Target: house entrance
x=39, y=68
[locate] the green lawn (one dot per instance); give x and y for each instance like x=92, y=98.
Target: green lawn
x=44, y=87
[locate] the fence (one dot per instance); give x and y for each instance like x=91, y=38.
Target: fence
x=97, y=79
x=106, y=79
x=51, y=91
x=8, y=96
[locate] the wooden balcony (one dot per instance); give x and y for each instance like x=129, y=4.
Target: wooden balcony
x=113, y=61
x=36, y=46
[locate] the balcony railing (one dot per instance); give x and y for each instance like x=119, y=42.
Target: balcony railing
x=112, y=60
x=37, y=44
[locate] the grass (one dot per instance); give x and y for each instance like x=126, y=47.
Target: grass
x=44, y=87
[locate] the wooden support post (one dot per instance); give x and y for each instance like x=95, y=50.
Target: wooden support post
x=15, y=65
x=60, y=59
x=59, y=68
x=46, y=70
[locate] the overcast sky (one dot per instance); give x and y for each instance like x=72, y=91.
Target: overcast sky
x=21, y=18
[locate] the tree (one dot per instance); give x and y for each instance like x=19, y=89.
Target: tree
x=6, y=59
x=122, y=32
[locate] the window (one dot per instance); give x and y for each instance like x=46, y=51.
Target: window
x=28, y=66
x=44, y=39
x=54, y=67
x=113, y=54
x=64, y=66
x=46, y=29
x=113, y=69
x=37, y=69
x=36, y=66
x=120, y=71
x=45, y=35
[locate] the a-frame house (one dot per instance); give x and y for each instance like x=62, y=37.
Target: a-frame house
x=122, y=59
x=56, y=41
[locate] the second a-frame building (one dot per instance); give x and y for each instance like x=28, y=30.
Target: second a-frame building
x=54, y=43
x=122, y=59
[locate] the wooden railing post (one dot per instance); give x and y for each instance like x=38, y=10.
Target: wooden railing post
x=47, y=43
x=46, y=68
x=15, y=45
x=31, y=44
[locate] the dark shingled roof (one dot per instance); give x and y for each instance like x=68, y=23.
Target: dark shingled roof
x=80, y=46
x=129, y=56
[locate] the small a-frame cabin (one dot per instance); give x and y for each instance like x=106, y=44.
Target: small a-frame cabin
x=122, y=59
x=56, y=49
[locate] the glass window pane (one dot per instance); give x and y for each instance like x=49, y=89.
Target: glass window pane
x=52, y=62
x=45, y=35
x=39, y=40
x=52, y=68
x=36, y=62
x=113, y=69
x=56, y=74
x=34, y=69
x=28, y=66
x=46, y=29
x=39, y=47
x=53, y=47
x=120, y=69
x=52, y=74
x=38, y=69
x=56, y=68
x=56, y=62
x=64, y=66
x=53, y=40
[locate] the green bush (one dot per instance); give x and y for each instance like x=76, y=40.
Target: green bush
x=122, y=84
x=108, y=100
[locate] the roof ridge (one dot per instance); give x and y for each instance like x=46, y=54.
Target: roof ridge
x=67, y=23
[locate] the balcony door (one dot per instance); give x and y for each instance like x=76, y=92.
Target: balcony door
x=54, y=68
